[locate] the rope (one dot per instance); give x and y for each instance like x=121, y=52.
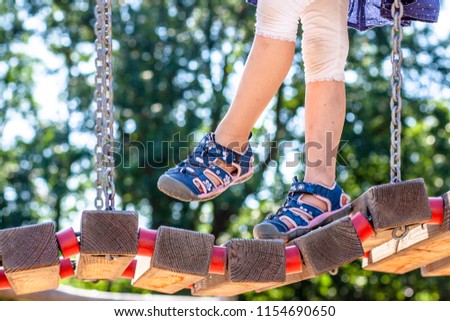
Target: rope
x=104, y=116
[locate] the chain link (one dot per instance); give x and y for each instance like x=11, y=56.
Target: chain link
x=396, y=85
x=396, y=103
x=104, y=115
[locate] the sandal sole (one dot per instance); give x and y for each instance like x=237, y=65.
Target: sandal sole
x=175, y=189
x=268, y=231
x=179, y=191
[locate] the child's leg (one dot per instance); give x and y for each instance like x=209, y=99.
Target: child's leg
x=325, y=115
x=324, y=43
x=216, y=163
x=266, y=67
x=325, y=48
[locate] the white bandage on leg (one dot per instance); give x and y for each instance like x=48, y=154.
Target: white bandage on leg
x=278, y=19
x=325, y=40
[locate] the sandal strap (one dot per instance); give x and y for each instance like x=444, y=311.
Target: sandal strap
x=307, y=208
x=209, y=150
x=205, y=181
x=221, y=174
x=215, y=150
x=332, y=194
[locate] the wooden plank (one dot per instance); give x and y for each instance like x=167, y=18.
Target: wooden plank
x=108, y=244
x=30, y=258
x=393, y=205
x=251, y=264
x=330, y=247
x=439, y=268
x=403, y=203
x=181, y=258
x=325, y=249
x=421, y=246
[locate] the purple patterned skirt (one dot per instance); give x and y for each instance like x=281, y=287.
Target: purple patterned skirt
x=366, y=14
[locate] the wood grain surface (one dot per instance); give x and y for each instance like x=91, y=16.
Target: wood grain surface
x=422, y=245
x=252, y=264
x=181, y=258
x=108, y=244
x=30, y=257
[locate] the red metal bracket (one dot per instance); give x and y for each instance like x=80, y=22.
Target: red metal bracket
x=293, y=260
x=4, y=283
x=66, y=269
x=146, y=242
x=218, y=260
x=362, y=226
x=130, y=270
x=68, y=242
x=437, y=210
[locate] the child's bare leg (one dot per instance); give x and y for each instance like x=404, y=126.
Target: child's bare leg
x=325, y=89
x=266, y=67
x=325, y=115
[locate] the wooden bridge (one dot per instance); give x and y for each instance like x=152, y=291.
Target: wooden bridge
x=396, y=228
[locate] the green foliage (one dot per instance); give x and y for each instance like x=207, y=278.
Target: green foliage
x=175, y=67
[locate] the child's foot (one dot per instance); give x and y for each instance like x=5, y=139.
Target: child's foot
x=208, y=171
x=295, y=214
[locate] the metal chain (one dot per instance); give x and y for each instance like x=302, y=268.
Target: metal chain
x=396, y=85
x=104, y=116
x=396, y=103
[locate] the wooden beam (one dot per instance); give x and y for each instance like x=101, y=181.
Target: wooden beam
x=393, y=205
x=180, y=259
x=251, y=264
x=108, y=244
x=439, y=268
x=422, y=245
x=30, y=258
x=325, y=249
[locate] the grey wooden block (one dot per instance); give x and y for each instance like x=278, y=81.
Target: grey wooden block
x=108, y=244
x=391, y=206
x=251, y=264
x=331, y=246
x=398, y=204
x=422, y=245
x=325, y=249
x=181, y=258
x=30, y=258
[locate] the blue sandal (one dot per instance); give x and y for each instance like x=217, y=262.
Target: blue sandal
x=296, y=218
x=191, y=179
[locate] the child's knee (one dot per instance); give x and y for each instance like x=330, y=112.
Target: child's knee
x=279, y=19
x=325, y=40
x=324, y=56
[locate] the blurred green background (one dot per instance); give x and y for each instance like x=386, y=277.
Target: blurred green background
x=176, y=65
